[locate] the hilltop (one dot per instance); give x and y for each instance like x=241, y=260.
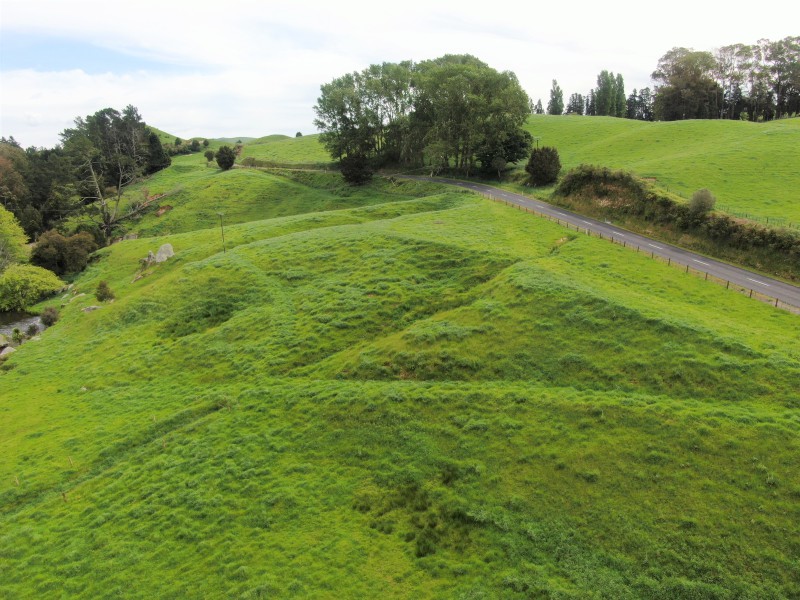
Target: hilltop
x=400, y=390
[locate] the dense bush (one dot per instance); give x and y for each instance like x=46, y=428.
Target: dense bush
x=702, y=202
x=63, y=255
x=103, y=292
x=622, y=194
x=24, y=285
x=49, y=316
x=543, y=166
x=356, y=170
x=225, y=157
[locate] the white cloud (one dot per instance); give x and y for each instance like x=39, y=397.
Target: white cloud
x=254, y=67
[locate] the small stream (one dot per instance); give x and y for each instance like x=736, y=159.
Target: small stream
x=9, y=321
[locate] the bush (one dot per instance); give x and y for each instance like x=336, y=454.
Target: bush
x=49, y=316
x=32, y=330
x=702, y=202
x=209, y=154
x=63, y=255
x=543, y=166
x=225, y=157
x=23, y=285
x=103, y=292
x=355, y=169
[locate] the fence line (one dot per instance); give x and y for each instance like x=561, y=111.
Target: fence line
x=688, y=269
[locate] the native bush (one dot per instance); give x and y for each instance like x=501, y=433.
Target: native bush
x=49, y=316
x=23, y=285
x=702, y=202
x=543, y=165
x=355, y=169
x=103, y=292
x=225, y=157
x=63, y=255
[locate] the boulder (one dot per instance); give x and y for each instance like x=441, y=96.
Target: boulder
x=3, y=341
x=6, y=352
x=164, y=253
x=91, y=308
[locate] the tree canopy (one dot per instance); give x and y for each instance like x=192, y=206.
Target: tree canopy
x=454, y=111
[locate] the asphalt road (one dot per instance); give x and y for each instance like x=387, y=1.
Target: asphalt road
x=780, y=290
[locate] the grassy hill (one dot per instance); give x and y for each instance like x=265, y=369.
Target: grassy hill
x=399, y=390
x=286, y=150
x=750, y=167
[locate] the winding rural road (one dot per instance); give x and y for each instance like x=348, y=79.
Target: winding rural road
x=765, y=286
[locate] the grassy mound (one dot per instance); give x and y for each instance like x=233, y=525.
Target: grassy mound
x=417, y=394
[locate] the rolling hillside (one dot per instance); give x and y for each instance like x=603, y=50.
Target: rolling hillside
x=752, y=168
x=398, y=391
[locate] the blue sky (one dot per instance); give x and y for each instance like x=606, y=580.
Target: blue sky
x=252, y=68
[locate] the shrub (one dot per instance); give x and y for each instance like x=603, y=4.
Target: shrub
x=49, y=316
x=16, y=336
x=209, y=154
x=355, y=169
x=225, y=157
x=33, y=329
x=543, y=165
x=23, y=285
x=63, y=255
x=702, y=202
x=103, y=292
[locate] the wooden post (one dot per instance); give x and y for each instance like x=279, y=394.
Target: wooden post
x=669, y=261
x=751, y=293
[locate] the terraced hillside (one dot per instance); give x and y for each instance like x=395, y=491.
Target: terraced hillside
x=396, y=391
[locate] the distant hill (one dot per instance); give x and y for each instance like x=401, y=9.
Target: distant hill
x=752, y=168
x=234, y=140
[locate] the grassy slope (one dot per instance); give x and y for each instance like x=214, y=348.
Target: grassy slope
x=750, y=167
x=282, y=149
x=417, y=394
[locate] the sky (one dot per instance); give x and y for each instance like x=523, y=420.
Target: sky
x=252, y=68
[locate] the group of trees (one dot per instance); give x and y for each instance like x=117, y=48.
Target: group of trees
x=451, y=112
x=86, y=174
x=759, y=82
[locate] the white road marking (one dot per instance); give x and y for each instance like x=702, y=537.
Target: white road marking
x=701, y=262
x=757, y=281
x=620, y=234
x=562, y=214
x=587, y=222
x=654, y=246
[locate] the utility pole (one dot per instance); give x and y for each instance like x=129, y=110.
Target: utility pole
x=222, y=229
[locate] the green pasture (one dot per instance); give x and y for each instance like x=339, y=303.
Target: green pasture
x=752, y=168
x=399, y=390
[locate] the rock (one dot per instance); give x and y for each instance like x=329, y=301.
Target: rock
x=164, y=253
x=3, y=341
x=91, y=308
x=78, y=296
x=131, y=236
x=7, y=351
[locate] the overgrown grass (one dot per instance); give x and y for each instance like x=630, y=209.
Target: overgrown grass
x=750, y=167
x=396, y=391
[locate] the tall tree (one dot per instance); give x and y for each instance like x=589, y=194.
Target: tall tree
x=556, y=104
x=575, y=106
x=685, y=88
x=109, y=151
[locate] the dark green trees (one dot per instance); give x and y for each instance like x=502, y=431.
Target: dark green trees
x=543, y=165
x=225, y=157
x=556, y=104
x=108, y=151
x=453, y=112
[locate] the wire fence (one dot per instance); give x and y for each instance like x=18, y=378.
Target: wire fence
x=770, y=221
x=688, y=269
